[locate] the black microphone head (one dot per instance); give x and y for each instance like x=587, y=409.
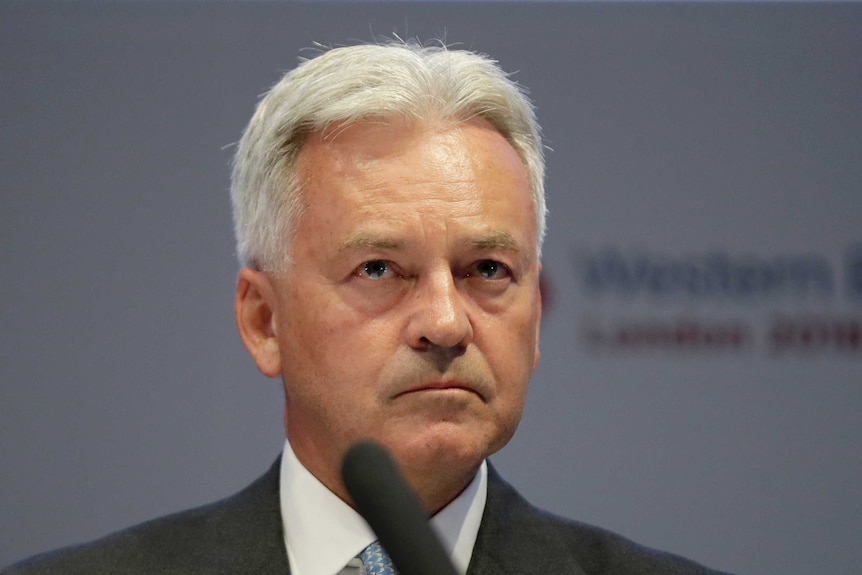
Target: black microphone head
x=392, y=510
x=366, y=469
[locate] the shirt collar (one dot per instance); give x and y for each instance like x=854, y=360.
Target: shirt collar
x=322, y=533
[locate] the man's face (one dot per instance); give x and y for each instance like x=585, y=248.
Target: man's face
x=410, y=311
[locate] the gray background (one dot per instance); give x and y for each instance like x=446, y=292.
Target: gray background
x=675, y=129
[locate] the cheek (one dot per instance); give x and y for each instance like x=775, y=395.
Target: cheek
x=330, y=344
x=306, y=334
x=519, y=328
x=514, y=354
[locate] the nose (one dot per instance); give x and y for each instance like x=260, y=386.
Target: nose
x=440, y=317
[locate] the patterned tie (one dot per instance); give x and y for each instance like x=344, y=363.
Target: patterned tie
x=376, y=560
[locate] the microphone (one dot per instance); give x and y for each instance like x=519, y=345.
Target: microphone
x=392, y=510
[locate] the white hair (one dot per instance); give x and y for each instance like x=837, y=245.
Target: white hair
x=397, y=81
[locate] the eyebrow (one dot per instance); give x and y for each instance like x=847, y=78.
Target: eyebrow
x=502, y=241
x=493, y=241
x=370, y=241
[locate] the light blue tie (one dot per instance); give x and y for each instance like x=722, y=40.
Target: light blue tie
x=376, y=560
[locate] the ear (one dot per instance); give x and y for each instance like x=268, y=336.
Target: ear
x=255, y=320
x=539, y=301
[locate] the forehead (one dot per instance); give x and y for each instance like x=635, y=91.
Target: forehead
x=374, y=176
x=384, y=157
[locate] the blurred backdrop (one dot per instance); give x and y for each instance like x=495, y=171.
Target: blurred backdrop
x=701, y=375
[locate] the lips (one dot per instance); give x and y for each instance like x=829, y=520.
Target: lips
x=433, y=386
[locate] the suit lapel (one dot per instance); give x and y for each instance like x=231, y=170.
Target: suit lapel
x=251, y=522
x=488, y=551
x=514, y=539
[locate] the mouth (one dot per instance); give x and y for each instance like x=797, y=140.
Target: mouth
x=442, y=387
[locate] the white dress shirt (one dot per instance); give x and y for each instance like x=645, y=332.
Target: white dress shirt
x=323, y=534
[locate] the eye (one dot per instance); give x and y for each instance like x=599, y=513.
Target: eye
x=491, y=270
x=374, y=270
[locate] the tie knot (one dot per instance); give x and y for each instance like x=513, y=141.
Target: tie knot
x=376, y=560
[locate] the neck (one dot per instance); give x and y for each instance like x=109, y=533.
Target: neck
x=435, y=485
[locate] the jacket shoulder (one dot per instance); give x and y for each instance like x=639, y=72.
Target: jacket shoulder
x=517, y=537
x=236, y=534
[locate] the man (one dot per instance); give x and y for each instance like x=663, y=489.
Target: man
x=389, y=213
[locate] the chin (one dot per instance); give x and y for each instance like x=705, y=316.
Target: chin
x=447, y=450
x=439, y=466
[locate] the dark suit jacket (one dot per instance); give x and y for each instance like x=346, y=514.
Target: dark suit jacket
x=243, y=535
